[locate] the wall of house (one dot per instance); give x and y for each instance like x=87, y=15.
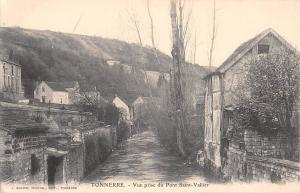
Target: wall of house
x=212, y=134
x=235, y=76
x=74, y=94
x=39, y=93
x=60, y=97
x=10, y=81
x=123, y=107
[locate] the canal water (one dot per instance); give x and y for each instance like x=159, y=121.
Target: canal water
x=143, y=158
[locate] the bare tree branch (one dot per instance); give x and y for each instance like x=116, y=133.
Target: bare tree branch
x=78, y=21
x=212, y=45
x=152, y=33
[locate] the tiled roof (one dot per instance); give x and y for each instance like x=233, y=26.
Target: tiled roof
x=61, y=86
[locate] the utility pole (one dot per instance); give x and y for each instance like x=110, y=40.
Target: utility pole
x=178, y=54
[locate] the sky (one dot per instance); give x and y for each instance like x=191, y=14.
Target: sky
x=236, y=21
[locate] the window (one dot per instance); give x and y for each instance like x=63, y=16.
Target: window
x=18, y=71
x=12, y=70
x=35, y=164
x=263, y=49
x=43, y=89
x=8, y=81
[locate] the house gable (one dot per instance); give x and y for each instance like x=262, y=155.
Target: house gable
x=120, y=104
x=247, y=46
x=234, y=74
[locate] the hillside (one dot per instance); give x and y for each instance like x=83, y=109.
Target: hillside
x=54, y=56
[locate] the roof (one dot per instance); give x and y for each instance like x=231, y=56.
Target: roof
x=61, y=86
x=111, y=99
x=23, y=127
x=245, y=47
x=10, y=62
x=146, y=99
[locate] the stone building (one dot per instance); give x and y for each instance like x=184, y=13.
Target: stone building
x=22, y=145
x=123, y=108
x=10, y=80
x=57, y=92
x=220, y=101
x=36, y=146
x=64, y=158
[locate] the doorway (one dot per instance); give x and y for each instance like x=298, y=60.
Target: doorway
x=55, y=170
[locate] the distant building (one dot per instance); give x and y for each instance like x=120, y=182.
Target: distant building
x=123, y=107
x=10, y=80
x=112, y=62
x=221, y=86
x=57, y=92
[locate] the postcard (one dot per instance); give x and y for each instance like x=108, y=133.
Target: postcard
x=149, y=96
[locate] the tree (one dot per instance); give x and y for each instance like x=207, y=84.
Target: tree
x=273, y=82
x=176, y=85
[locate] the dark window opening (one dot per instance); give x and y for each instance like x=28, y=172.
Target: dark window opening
x=35, y=164
x=263, y=49
x=8, y=151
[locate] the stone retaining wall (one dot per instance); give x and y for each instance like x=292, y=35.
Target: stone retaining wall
x=259, y=158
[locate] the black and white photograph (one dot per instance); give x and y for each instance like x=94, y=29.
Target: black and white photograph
x=150, y=96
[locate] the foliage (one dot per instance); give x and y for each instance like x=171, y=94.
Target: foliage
x=166, y=131
x=123, y=131
x=111, y=116
x=52, y=56
x=273, y=82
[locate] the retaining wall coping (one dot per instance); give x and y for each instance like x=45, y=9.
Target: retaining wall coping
x=285, y=163
x=15, y=106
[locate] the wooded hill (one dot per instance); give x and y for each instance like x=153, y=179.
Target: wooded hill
x=55, y=56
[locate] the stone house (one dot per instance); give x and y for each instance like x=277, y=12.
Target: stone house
x=123, y=108
x=64, y=159
x=10, y=80
x=22, y=145
x=56, y=154
x=221, y=87
x=112, y=62
x=57, y=92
